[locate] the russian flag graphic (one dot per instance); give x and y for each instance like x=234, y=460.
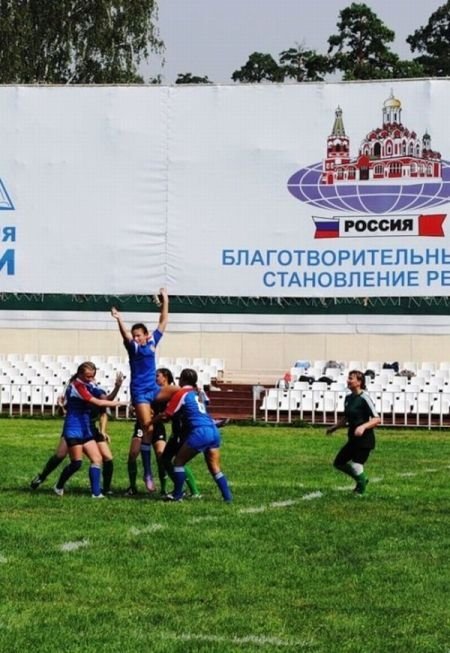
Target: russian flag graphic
x=326, y=227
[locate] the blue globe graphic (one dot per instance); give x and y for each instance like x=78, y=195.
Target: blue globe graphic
x=369, y=198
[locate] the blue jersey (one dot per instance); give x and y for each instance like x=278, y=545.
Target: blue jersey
x=77, y=422
x=143, y=364
x=192, y=411
x=199, y=431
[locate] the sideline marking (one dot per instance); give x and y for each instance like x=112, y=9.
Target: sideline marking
x=74, y=546
x=312, y=495
x=407, y=474
x=195, y=520
x=259, y=640
x=254, y=509
x=283, y=504
x=152, y=528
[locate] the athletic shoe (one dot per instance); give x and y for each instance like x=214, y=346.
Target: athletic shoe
x=109, y=493
x=130, y=492
x=149, y=484
x=35, y=483
x=98, y=496
x=195, y=496
x=59, y=491
x=172, y=497
x=361, y=484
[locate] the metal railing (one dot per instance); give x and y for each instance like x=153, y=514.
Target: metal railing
x=424, y=408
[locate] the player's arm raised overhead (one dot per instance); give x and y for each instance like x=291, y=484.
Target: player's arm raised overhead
x=124, y=332
x=164, y=314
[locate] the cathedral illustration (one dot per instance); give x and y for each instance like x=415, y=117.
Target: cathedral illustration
x=388, y=153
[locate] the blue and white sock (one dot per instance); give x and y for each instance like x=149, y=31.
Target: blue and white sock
x=146, y=460
x=222, y=484
x=95, y=475
x=179, y=479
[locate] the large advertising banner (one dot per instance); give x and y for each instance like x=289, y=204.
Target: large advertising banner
x=293, y=190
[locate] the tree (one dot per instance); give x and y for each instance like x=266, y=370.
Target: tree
x=303, y=65
x=259, y=67
x=189, y=78
x=433, y=41
x=76, y=41
x=360, y=48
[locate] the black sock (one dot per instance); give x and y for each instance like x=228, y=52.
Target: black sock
x=107, y=469
x=51, y=464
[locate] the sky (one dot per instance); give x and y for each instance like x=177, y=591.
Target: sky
x=216, y=37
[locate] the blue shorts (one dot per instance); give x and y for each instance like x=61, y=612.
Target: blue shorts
x=77, y=429
x=144, y=395
x=74, y=440
x=203, y=438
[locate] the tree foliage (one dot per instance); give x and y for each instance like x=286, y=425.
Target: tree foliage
x=295, y=63
x=258, y=68
x=303, y=65
x=361, y=49
x=433, y=41
x=189, y=78
x=76, y=41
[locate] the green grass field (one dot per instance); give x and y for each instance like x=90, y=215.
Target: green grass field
x=296, y=563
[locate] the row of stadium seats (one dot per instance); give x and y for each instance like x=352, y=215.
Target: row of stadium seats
x=47, y=369
x=323, y=404
x=333, y=369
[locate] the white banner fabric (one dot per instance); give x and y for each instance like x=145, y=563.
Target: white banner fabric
x=290, y=190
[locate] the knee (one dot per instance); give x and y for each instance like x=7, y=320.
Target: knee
x=76, y=465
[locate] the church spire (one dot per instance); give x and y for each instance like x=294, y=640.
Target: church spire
x=338, y=127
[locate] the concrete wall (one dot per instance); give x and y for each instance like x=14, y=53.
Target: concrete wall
x=246, y=343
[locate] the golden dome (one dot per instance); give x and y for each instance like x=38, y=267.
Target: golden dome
x=392, y=103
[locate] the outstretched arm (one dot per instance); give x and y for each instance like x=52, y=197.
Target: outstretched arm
x=164, y=315
x=126, y=335
x=117, y=385
x=341, y=422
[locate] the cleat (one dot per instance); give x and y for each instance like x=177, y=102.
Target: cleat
x=149, y=484
x=36, y=482
x=195, y=496
x=108, y=493
x=59, y=491
x=130, y=492
x=172, y=497
x=98, y=496
x=361, y=485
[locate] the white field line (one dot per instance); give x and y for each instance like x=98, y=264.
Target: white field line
x=283, y=504
x=74, y=546
x=151, y=528
x=256, y=640
x=252, y=509
x=196, y=520
x=312, y=495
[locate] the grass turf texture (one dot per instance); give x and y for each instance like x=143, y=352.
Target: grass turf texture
x=296, y=563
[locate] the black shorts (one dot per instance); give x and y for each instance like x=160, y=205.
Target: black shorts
x=351, y=452
x=137, y=431
x=159, y=432
x=98, y=437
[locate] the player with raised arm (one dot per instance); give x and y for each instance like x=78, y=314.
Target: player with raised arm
x=141, y=347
